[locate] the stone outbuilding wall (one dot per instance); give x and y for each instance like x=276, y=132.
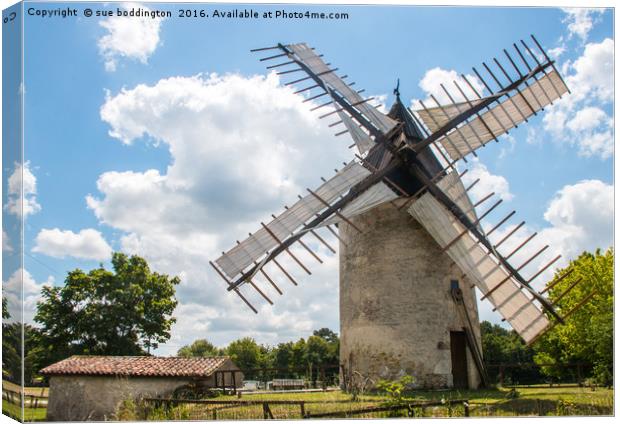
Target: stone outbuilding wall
x=91, y=388
x=396, y=307
x=89, y=398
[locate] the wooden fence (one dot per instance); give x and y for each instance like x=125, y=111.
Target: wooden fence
x=220, y=406
x=30, y=401
x=409, y=406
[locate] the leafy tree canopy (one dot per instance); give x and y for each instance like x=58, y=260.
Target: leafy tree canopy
x=245, y=352
x=327, y=335
x=126, y=311
x=200, y=348
x=502, y=346
x=587, y=336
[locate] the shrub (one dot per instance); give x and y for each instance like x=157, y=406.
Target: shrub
x=395, y=388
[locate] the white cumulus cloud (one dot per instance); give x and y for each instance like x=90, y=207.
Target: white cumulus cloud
x=431, y=85
x=6, y=242
x=241, y=148
x=580, y=20
x=593, y=72
x=589, y=118
x=489, y=182
x=578, y=118
x=134, y=38
x=22, y=180
x=87, y=244
x=579, y=218
x=583, y=213
x=21, y=281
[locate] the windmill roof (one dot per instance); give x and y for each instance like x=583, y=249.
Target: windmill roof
x=413, y=132
x=399, y=112
x=137, y=366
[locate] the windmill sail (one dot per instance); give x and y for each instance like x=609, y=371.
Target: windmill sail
x=362, y=140
x=436, y=117
x=401, y=160
x=453, y=186
x=381, y=193
x=255, y=247
x=318, y=70
x=500, y=118
x=481, y=268
x=376, y=195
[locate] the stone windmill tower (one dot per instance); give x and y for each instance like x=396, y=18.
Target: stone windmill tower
x=412, y=247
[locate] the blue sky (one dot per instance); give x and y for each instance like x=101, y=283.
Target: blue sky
x=128, y=144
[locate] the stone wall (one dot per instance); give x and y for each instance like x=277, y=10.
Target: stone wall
x=88, y=398
x=396, y=308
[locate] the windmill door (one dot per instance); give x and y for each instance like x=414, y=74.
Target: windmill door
x=458, y=344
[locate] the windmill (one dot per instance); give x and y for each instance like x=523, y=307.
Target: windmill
x=412, y=246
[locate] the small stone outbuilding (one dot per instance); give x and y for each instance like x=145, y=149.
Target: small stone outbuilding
x=90, y=388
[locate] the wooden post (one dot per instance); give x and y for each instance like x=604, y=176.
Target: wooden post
x=215, y=414
x=466, y=406
x=267, y=412
x=302, y=407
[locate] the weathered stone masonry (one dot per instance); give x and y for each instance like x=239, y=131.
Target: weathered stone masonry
x=396, y=309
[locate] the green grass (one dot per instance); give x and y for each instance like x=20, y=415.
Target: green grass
x=528, y=401
x=30, y=414
x=532, y=401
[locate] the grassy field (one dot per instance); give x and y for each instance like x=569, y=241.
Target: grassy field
x=30, y=414
x=522, y=401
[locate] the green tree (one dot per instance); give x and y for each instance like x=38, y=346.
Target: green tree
x=283, y=355
x=12, y=352
x=502, y=346
x=327, y=335
x=200, y=348
x=317, y=350
x=127, y=311
x=245, y=352
x=299, y=351
x=587, y=335
x=5, y=309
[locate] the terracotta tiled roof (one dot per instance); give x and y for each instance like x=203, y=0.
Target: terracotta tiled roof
x=143, y=366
